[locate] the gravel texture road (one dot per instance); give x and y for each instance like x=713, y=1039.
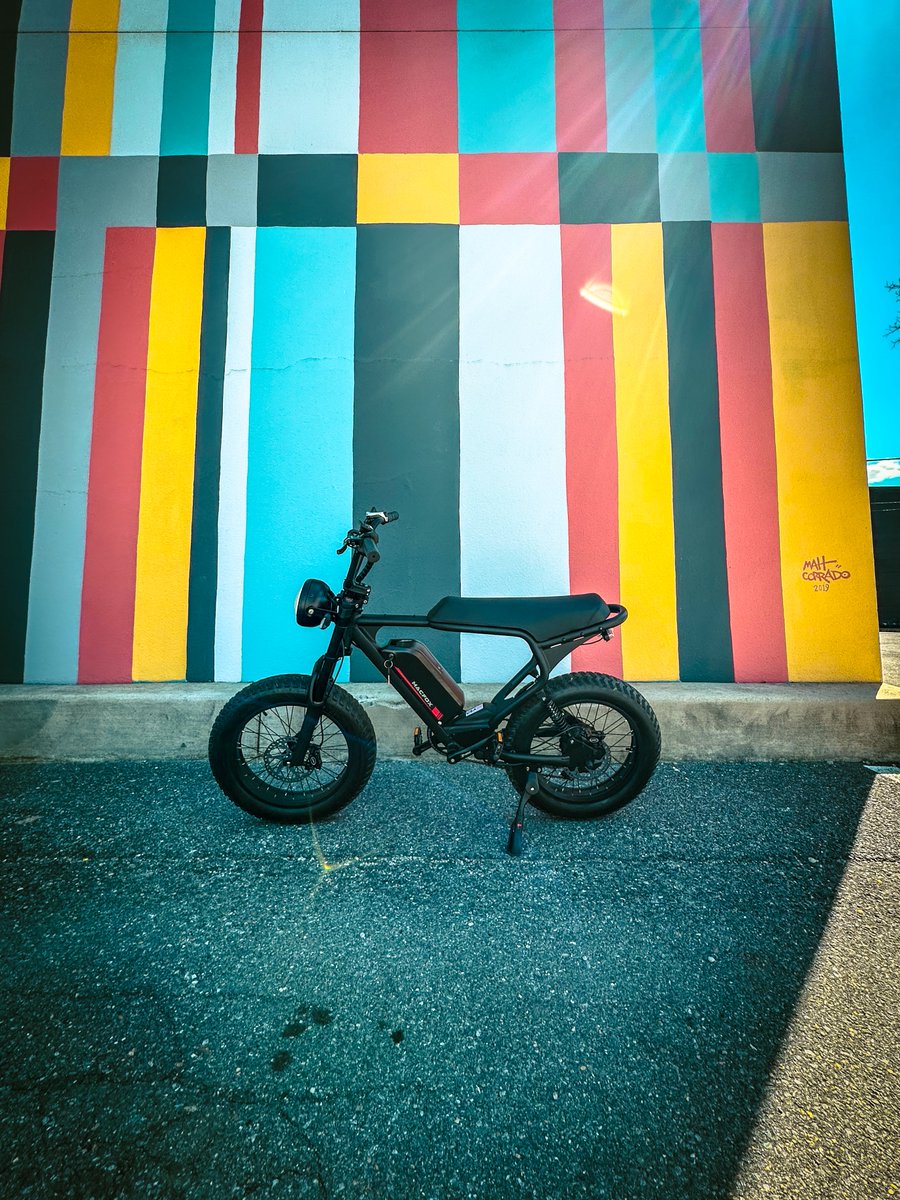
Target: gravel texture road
x=695, y=997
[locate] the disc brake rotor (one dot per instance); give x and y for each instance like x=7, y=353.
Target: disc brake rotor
x=278, y=756
x=586, y=748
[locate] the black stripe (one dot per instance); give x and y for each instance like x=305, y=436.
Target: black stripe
x=24, y=310
x=704, y=628
x=10, y=11
x=201, y=629
x=406, y=417
x=307, y=189
x=181, y=190
x=793, y=76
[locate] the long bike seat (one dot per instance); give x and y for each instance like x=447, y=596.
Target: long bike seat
x=541, y=617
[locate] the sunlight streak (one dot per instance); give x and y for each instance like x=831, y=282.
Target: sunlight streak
x=603, y=295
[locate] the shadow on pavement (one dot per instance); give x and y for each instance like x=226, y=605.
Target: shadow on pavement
x=195, y=1007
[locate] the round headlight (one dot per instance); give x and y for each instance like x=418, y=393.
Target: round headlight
x=315, y=602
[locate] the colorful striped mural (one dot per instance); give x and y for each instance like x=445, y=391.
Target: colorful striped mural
x=566, y=282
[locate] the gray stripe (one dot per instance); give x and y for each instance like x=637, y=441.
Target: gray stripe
x=684, y=186
x=93, y=193
x=802, y=187
x=40, y=82
x=45, y=16
x=38, y=93
x=231, y=189
x=630, y=95
x=406, y=418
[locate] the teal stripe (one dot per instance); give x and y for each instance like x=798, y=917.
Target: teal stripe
x=300, y=449
x=506, y=92
x=678, y=76
x=185, y=116
x=501, y=14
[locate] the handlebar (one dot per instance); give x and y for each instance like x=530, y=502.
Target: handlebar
x=382, y=518
x=364, y=540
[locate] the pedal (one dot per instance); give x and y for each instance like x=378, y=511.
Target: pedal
x=419, y=743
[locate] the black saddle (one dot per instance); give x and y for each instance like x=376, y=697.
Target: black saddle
x=543, y=618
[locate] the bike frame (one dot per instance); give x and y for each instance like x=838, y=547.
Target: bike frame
x=470, y=732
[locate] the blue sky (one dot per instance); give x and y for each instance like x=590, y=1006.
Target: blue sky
x=867, y=38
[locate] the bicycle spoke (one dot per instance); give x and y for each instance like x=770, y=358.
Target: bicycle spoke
x=265, y=744
x=605, y=722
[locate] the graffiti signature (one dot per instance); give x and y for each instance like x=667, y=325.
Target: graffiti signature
x=823, y=570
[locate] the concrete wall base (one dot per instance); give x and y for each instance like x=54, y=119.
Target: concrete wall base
x=849, y=722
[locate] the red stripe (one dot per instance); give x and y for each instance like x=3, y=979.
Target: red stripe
x=246, y=108
x=33, y=184
x=508, y=189
x=114, y=488
x=749, y=477
x=727, y=97
x=580, y=75
x=407, y=82
x=413, y=15
x=592, y=482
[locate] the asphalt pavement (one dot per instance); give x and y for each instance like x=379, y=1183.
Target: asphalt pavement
x=694, y=997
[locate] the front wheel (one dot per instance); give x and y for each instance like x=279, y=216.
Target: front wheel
x=603, y=726
x=250, y=751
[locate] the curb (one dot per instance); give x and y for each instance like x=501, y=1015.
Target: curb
x=827, y=721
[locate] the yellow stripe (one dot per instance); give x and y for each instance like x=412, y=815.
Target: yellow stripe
x=4, y=190
x=400, y=188
x=646, y=523
x=823, y=504
x=167, y=465
x=90, y=73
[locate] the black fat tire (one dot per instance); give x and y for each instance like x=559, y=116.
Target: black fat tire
x=580, y=688
x=225, y=756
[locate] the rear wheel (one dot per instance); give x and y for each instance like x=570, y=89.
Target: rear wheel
x=250, y=751
x=604, y=727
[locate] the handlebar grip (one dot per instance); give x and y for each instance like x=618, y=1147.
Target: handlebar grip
x=375, y=517
x=369, y=550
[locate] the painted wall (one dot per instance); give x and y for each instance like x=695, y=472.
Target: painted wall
x=567, y=284
x=867, y=37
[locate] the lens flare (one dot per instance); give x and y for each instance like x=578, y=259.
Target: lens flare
x=603, y=295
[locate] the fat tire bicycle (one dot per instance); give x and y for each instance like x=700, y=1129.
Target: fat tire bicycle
x=294, y=748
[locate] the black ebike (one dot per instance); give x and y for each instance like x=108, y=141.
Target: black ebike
x=299, y=747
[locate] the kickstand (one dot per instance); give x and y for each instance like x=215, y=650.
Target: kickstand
x=514, y=844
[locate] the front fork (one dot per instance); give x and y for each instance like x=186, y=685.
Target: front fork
x=320, y=681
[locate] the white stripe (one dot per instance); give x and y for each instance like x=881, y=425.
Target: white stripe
x=223, y=77
x=223, y=93
x=311, y=15
x=309, y=93
x=140, y=72
x=233, y=479
x=513, y=520
x=228, y=16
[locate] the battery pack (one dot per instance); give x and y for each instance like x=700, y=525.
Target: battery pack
x=414, y=664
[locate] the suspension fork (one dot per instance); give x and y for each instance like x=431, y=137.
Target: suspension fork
x=320, y=681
